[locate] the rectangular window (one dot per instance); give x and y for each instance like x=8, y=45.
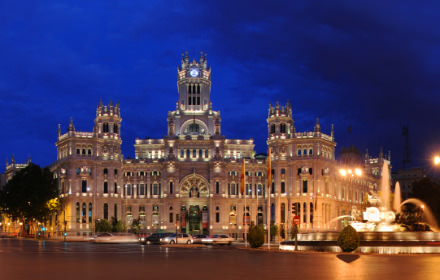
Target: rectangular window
x=105, y=187
x=155, y=189
x=142, y=189
x=217, y=187
x=171, y=217
x=304, y=187
x=283, y=187
x=217, y=217
x=84, y=186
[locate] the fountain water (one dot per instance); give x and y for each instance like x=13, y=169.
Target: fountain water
x=385, y=186
x=427, y=213
x=378, y=231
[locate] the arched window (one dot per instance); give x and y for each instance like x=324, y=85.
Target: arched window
x=90, y=212
x=305, y=213
x=193, y=128
x=283, y=128
x=272, y=128
x=283, y=212
x=105, y=187
x=217, y=214
x=106, y=211
x=77, y=213
x=84, y=213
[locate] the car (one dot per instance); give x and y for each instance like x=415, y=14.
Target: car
x=142, y=236
x=184, y=238
x=221, y=239
x=201, y=239
x=154, y=238
x=114, y=237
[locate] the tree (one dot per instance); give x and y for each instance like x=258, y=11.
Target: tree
x=349, y=239
x=135, y=226
x=273, y=230
x=102, y=225
x=256, y=236
x=117, y=225
x=31, y=194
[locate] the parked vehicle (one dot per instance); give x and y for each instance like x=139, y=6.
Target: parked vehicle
x=184, y=238
x=154, y=238
x=108, y=237
x=221, y=239
x=201, y=239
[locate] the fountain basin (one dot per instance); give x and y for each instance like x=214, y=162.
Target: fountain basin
x=371, y=242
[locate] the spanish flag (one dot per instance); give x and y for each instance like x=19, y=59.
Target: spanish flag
x=269, y=172
x=242, y=178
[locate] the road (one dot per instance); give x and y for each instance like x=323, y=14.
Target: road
x=32, y=259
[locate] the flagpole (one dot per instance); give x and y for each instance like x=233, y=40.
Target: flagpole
x=269, y=179
x=243, y=192
x=245, y=209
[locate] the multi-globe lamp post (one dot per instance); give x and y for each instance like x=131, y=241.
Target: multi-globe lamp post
x=436, y=160
x=347, y=173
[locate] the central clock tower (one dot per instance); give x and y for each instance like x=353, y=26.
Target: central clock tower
x=194, y=114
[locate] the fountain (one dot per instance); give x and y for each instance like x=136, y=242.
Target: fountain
x=428, y=216
x=385, y=186
x=378, y=231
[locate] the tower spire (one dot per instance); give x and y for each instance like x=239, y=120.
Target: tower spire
x=71, y=126
x=317, y=126
x=332, y=133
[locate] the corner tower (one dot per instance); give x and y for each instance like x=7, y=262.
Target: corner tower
x=194, y=114
x=108, y=129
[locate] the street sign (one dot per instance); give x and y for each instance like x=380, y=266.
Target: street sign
x=296, y=220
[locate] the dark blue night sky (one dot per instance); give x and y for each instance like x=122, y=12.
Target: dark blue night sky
x=371, y=65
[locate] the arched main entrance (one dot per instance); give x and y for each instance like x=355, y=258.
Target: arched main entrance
x=194, y=215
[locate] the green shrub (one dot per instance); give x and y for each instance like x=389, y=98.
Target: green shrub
x=256, y=236
x=102, y=225
x=348, y=239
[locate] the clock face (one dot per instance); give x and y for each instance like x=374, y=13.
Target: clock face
x=194, y=72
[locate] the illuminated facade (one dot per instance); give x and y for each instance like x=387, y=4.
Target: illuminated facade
x=190, y=180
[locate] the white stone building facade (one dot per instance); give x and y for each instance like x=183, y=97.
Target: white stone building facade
x=190, y=180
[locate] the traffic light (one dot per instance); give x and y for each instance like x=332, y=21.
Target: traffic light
x=294, y=209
